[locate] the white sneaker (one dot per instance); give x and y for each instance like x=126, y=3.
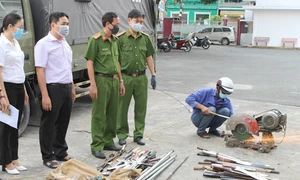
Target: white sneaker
x=13, y=171
x=21, y=168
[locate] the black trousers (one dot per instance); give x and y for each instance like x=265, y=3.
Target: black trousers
x=54, y=123
x=9, y=143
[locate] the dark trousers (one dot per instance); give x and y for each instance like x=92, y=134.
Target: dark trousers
x=9, y=143
x=203, y=121
x=54, y=123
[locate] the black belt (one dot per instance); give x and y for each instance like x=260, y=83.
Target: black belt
x=66, y=85
x=134, y=74
x=107, y=75
x=13, y=85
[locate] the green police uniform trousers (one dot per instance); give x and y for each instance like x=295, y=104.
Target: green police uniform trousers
x=105, y=112
x=138, y=88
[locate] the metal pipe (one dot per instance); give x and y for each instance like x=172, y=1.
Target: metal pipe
x=173, y=172
x=147, y=169
x=145, y=174
x=211, y=153
x=159, y=167
x=166, y=156
x=220, y=115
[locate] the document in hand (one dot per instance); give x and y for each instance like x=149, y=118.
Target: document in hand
x=12, y=119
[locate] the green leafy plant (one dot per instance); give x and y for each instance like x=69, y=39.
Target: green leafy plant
x=208, y=1
x=216, y=18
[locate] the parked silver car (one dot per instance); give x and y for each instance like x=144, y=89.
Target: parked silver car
x=223, y=34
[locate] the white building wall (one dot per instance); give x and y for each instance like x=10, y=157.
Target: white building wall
x=276, y=3
x=277, y=24
x=248, y=15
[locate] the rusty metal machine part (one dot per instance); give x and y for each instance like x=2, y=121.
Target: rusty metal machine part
x=243, y=126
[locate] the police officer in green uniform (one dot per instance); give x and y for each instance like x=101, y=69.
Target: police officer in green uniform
x=106, y=84
x=137, y=50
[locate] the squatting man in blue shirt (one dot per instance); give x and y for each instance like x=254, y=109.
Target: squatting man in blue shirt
x=208, y=100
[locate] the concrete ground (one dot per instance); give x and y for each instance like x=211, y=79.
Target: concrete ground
x=264, y=78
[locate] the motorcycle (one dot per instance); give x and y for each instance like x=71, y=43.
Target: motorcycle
x=163, y=44
x=204, y=42
x=180, y=44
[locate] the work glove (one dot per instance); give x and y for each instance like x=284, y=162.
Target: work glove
x=153, y=82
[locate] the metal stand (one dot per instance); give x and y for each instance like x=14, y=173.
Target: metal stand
x=264, y=146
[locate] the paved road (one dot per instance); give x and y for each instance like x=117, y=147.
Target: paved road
x=265, y=75
x=264, y=79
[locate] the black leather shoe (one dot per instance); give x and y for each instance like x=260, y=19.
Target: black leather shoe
x=99, y=154
x=140, y=141
x=112, y=148
x=122, y=142
x=217, y=133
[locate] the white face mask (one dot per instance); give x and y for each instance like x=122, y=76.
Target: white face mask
x=63, y=30
x=136, y=26
x=222, y=96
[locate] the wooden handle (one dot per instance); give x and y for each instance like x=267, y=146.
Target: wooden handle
x=204, y=162
x=199, y=168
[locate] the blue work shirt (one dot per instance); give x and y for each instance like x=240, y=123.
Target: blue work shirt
x=207, y=97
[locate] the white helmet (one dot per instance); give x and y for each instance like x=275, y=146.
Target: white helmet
x=226, y=85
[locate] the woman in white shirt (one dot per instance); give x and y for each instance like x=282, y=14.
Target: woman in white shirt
x=12, y=87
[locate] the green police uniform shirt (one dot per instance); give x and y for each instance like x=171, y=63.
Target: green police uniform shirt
x=104, y=53
x=135, y=51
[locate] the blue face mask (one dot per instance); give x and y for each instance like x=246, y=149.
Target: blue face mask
x=136, y=26
x=18, y=34
x=222, y=96
x=63, y=30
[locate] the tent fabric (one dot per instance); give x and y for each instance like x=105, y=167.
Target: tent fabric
x=86, y=17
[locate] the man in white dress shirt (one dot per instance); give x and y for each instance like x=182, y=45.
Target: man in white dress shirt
x=53, y=61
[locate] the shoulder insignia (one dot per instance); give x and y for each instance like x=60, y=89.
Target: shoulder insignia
x=145, y=33
x=96, y=36
x=121, y=33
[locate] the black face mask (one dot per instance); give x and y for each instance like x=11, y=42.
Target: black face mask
x=115, y=29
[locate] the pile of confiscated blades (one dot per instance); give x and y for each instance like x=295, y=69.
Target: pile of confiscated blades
x=151, y=165
x=228, y=167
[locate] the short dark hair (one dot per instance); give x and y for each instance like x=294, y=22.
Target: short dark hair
x=11, y=18
x=135, y=14
x=54, y=17
x=108, y=17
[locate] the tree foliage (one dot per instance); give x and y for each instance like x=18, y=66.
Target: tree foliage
x=208, y=1
x=216, y=18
